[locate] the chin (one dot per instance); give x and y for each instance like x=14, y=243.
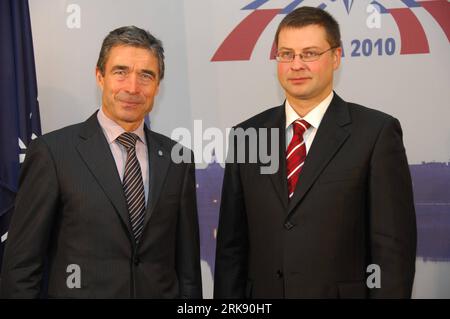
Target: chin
x=132, y=119
x=300, y=94
x=129, y=118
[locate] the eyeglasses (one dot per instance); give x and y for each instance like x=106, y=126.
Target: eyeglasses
x=286, y=56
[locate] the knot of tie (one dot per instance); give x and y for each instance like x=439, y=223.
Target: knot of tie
x=300, y=127
x=128, y=140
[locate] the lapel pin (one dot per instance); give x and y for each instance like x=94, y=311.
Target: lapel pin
x=160, y=153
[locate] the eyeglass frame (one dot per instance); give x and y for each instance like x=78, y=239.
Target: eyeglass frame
x=300, y=55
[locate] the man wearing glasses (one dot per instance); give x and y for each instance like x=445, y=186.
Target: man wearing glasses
x=337, y=219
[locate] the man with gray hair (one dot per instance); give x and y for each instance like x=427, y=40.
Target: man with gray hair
x=101, y=201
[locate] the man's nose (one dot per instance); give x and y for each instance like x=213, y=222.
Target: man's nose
x=297, y=63
x=132, y=86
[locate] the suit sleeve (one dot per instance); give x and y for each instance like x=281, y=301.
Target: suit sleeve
x=30, y=228
x=231, y=265
x=392, y=215
x=188, y=242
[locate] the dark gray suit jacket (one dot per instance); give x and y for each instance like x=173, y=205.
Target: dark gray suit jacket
x=353, y=206
x=71, y=210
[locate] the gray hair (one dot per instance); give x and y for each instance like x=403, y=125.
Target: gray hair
x=131, y=36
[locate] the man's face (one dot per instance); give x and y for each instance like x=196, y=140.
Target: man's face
x=307, y=81
x=129, y=85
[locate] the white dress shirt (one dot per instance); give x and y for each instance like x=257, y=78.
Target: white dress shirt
x=314, y=117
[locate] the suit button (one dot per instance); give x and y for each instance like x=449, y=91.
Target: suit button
x=279, y=274
x=136, y=261
x=288, y=225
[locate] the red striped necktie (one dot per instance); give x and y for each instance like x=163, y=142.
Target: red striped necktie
x=296, y=154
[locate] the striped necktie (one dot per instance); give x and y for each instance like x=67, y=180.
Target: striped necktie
x=296, y=154
x=133, y=185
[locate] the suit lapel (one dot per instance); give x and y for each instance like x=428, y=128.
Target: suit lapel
x=279, y=179
x=95, y=152
x=159, y=162
x=330, y=136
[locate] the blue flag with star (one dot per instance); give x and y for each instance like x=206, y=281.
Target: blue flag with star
x=19, y=109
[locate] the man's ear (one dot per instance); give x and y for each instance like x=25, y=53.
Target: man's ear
x=157, y=89
x=99, y=78
x=337, y=55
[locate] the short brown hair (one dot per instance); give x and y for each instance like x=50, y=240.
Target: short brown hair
x=304, y=16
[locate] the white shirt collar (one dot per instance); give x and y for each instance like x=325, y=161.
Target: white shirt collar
x=113, y=130
x=314, y=117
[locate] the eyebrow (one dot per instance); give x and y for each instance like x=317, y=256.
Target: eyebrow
x=149, y=72
x=126, y=68
x=120, y=67
x=290, y=49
